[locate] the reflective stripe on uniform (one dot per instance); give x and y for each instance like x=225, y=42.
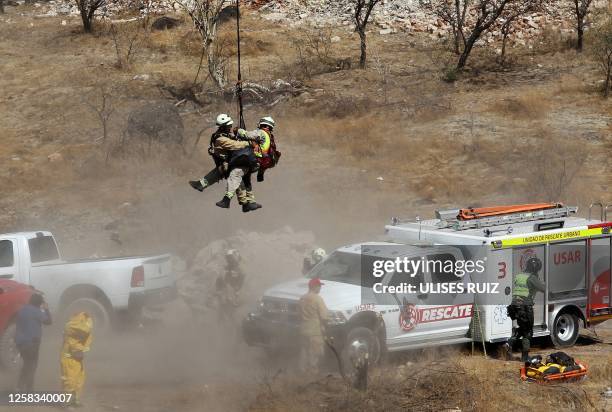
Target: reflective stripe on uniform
x=264, y=148
x=520, y=287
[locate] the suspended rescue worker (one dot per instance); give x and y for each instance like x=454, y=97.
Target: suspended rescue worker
x=266, y=152
x=77, y=341
x=524, y=288
x=314, y=316
x=234, y=160
x=315, y=257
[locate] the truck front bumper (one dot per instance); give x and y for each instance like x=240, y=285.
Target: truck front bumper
x=148, y=298
x=258, y=330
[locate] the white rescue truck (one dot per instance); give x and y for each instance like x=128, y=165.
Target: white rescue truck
x=576, y=257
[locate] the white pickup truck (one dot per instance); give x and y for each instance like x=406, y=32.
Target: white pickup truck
x=104, y=288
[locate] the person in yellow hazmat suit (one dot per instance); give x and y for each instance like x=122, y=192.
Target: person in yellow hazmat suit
x=77, y=341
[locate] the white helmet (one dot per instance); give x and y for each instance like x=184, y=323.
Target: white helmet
x=267, y=121
x=318, y=254
x=232, y=253
x=224, y=120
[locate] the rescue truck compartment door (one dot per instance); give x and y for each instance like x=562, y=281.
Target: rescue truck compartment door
x=567, y=272
x=600, y=287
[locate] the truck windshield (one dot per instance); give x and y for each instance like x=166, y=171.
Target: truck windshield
x=42, y=249
x=346, y=268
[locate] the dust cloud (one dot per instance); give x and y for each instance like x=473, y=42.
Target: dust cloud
x=177, y=349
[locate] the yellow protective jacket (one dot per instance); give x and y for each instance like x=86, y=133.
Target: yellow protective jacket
x=77, y=335
x=77, y=340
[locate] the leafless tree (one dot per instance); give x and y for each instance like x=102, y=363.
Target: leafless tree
x=205, y=16
x=581, y=10
x=87, y=9
x=602, y=51
x=363, y=11
x=470, y=19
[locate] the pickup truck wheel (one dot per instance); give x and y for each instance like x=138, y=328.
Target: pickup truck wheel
x=9, y=355
x=95, y=309
x=365, y=336
x=565, y=330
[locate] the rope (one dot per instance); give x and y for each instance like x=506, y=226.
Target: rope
x=239, y=84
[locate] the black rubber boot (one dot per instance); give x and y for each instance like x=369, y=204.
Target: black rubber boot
x=524, y=356
x=251, y=206
x=196, y=185
x=224, y=203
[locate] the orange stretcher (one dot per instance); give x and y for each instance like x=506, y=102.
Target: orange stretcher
x=480, y=212
x=537, y=376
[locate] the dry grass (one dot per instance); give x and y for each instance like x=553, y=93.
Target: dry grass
x=450, y=382
x=528, y=106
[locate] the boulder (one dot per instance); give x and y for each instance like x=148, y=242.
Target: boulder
x=165, y=23
x=159, y=121
x=227, y=14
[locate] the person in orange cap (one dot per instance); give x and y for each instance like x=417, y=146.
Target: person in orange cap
x=313, y=312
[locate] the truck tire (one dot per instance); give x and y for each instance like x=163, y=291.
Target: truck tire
x=363, y=335
x=565, y=330
x=95, y=309
x=9, y=355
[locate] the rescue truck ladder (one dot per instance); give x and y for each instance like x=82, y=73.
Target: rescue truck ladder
x=462, y=219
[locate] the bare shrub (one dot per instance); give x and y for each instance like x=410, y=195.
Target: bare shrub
x=384, y=71
x=103, y=107
x=550, y=165
x=313, y=54
x=128, y=39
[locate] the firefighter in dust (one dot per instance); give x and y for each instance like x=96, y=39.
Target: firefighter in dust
x=228, y=286
x=77, y=341
x=524, y=288
x=313, y=312
x=313, y=259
